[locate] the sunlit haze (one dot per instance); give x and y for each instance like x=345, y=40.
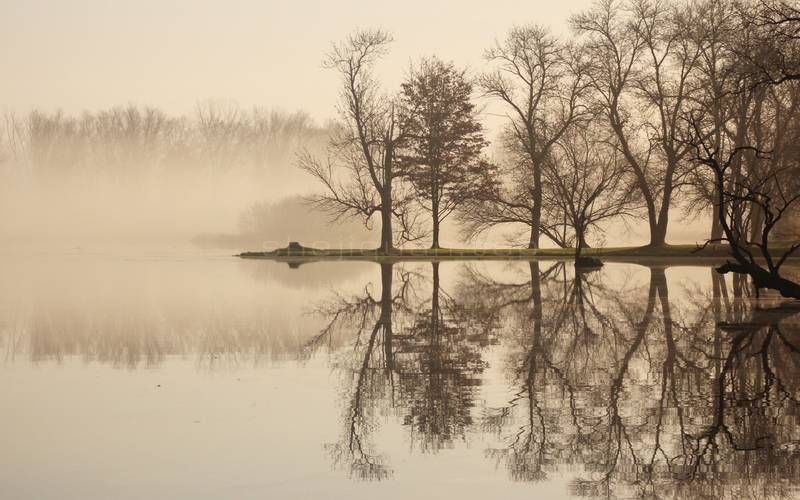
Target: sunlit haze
x=425, y=249
x=92, y=54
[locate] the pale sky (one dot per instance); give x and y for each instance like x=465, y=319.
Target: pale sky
x=89, y=54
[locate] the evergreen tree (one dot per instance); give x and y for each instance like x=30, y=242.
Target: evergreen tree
x=441, y=151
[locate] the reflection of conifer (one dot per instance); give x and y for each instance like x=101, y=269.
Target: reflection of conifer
x=440, y=370
x=419, y=357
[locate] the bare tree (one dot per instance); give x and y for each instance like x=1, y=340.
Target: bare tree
x=774, y=25
x=369, y=319
x=587, y=176
x=640, y=74
x=505, y=198
x=776, y=193
x=359, y=176
x=713, y=31
x=540, y=80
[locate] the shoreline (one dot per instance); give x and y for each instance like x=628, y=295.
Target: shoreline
x=669, y=254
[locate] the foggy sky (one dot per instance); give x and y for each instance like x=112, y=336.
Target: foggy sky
x=91, y=54
x=77, y=55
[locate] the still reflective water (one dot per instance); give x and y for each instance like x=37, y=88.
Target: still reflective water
x=200, y=376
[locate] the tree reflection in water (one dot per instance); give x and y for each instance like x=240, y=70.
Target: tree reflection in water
x=428, y=372
x=633, y=395
x=628, y=389
x=370, y=366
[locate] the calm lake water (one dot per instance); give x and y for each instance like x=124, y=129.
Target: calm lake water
x=201, y=376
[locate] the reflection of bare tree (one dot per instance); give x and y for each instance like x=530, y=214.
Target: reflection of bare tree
x=646, y=401
x=633, y=390
x=371, y=364
x=754, y=410
x=549, y=308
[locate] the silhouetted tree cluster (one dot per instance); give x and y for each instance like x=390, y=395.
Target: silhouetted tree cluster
x=540, y=81
x=744, y=136
x=595, y=130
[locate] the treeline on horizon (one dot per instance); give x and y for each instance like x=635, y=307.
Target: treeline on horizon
x=217, y=136
x=206, y=176
x=647, y=107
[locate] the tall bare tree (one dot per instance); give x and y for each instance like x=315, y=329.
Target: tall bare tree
x=712, y=31
x=640, y=74
x=587, y=176
x=359, y=176
x=539, y=80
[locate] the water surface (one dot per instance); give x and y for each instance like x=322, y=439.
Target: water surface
x=203, y=376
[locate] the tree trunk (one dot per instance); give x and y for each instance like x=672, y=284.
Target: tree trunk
x=658, y=238
x=386, y=232
x=658, y=278
x=435, y=210
x=763, y=279
x=580, y=243
x=756, y=222
x=387, y=235
x=534, y=241
x=716, y=227
x=717, y=283
x=536, y=296
x=584, y=263
x=435, y=309
x=658, y=232
x=536, y=213
x=387, y=273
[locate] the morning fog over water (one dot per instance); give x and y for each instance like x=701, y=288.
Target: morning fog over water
x=363, y=250
x=197, y=375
